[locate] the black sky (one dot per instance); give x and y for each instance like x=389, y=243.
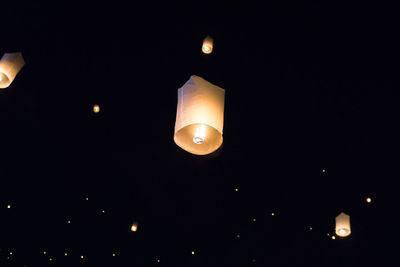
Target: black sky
x=309, y=86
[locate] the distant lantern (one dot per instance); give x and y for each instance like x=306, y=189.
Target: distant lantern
x=207, y=45
x=10, y=65
x=343, y=225
x=134, y=227
x=96, y=108
x=200, y=116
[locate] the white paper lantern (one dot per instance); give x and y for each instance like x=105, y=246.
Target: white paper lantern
x=342, y=225
x=207, y=45
x=10, y=65
x=199, y=116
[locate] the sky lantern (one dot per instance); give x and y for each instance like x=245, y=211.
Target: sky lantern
x=134, y=226
x=343, y=225
x=200, y=116
x=207, y=45
x=10, y=65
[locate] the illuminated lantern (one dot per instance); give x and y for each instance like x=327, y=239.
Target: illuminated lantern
x=207, y=45
x=343, y=225
x=134, y=227
x=200, y=116
x=96, y=109
x=10, y=65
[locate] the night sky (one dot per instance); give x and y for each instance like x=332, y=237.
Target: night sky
x=310, y=130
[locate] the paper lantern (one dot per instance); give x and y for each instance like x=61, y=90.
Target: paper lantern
x=10, y=65
x=343, y=225
x=134, y=227
x=207, y=45
x=96, y=108
x=200, y=116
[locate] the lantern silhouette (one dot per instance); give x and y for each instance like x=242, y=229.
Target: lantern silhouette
x=207, y=45
x=342, y=225
x=199, y=116
x=10, y=65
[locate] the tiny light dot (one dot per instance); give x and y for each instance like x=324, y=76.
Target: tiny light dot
x=86, y=198
x=134, y=227
x=96, y=109
x=158, y=260
x=236, y=189
x=66, y=254
x=192, y=252
x=310, y=228
x=254, y=219
x=103, y=211
x=68, y=221
x=10, y=252
x=8, y=206
x=323, y=170
x=50, y=259
x=272, y=214
x=113, y=254
x=44, y=252
x=333, y=237
x=8, y=257
x=368, y=199
x=237, y=235
x=328, y=234
x=81, y=256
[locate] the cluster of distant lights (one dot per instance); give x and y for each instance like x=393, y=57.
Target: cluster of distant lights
x=134, y=227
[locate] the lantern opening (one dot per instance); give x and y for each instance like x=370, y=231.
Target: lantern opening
x=342, y=232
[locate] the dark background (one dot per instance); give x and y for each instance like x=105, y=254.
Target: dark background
x=309, y=86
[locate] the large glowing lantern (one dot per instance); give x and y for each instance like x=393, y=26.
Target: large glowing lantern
x=199, y=116
x=207, y=45
x=10, y=65
x=343, y=225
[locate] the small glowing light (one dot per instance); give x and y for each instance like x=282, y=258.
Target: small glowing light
x=368, y=199
x=310, y=228
x=103, y=211
x=86, y=198
x=254, y=219
x=272, y=213
x=96, y=109
x=158, y=260
x=342, y=231
x=113, y=254
x=68, y=221
x=192, y=252
x=323, y=170
x=328, y=234
x=333, y=237
x=44, y=252
x=8, y=206
x=50, y=259
x=10, y=252
x=134, y=227
x=236, y=189
x=237, y=236
x=81, y=256
x=65, y=254
x=200, y=134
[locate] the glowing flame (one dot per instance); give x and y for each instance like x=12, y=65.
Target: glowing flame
x=199, y=135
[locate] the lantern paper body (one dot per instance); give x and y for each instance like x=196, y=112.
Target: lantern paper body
x=10, y=65
x=343, y=225
x=199, y=116
x=207, y=45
